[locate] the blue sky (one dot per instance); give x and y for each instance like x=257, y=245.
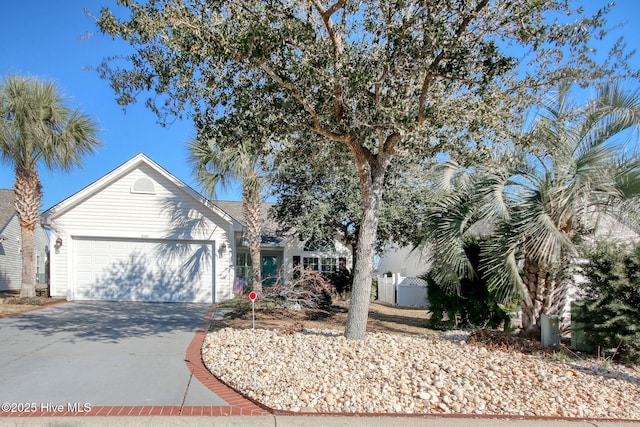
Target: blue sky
x=44, y=38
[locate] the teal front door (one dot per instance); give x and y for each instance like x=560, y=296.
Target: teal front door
x=269, y=269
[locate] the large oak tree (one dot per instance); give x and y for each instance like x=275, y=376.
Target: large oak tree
x=382, y=78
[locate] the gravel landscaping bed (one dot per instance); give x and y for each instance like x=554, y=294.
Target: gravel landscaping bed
x=320, y=371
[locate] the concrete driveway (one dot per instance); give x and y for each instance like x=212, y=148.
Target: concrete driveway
x=102, y=353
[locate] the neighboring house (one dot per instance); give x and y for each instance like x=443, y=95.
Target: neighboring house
x=11, y=246
x=398, y=274
x=279, y=254
x=398, y=268
x=140, y=234
x=398, y=263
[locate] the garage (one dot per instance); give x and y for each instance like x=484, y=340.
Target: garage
x=142, y=270
x=140, y=234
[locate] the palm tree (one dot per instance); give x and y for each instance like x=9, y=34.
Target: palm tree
x=454, y=209
x=550, y=200
x=538, y=207
x=216, y=163
x=38, y=128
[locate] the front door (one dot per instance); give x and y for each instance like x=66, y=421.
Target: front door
x=269, y=269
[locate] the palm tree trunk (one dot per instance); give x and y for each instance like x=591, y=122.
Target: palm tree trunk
x=28, y=199
x=252, y=207
x=536, y=280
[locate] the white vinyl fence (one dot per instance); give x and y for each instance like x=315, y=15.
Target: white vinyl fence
x=386, y=290
x=410, y=292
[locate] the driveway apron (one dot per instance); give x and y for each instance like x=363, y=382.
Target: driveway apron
x=102, y=353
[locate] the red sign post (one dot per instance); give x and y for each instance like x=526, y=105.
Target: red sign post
x=252, y=297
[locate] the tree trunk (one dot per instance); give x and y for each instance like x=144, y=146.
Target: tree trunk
x=535, y=279
x=252, y=207
x=28, y=199
x=371, y=184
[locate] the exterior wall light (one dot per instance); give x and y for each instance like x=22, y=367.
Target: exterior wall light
x=222, y=250
x=58, y=245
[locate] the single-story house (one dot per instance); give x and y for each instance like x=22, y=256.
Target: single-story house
x=279, y=253
x=140, y=233
x=11, y=246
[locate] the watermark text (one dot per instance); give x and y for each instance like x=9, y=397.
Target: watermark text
x=56, y=408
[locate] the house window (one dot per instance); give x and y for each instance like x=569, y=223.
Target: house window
x=313, y=245
x=324, y=265
x=243, y=266
x=329, y=265
x=311, y=263
x=38, y=268
x=143, y=186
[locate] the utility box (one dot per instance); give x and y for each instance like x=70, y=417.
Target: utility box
x=550, y=330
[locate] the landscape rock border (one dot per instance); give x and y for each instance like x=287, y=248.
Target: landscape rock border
x=231, y=347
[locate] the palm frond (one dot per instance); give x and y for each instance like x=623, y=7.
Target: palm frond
x=37, y=126
x=500, y=268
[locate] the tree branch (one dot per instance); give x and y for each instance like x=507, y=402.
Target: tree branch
x=436, y=61
x=336, y=41
x=390, y=143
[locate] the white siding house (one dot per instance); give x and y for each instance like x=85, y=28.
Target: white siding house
x=398, y=263
x=11, y=246
x=139, y=233
x=280, y=253
x=325, y=257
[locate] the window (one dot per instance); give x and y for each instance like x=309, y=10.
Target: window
x=329, y=265
x=143, y=186
x=324, y=265
x=313, y=245
x=311, y=263
x=38, y=268
x=243, y=266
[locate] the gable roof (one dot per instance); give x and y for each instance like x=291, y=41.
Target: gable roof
x=7, y=206
x=119, y=172
x=234, y=209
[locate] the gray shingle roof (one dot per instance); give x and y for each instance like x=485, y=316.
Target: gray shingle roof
x=7, y=206
x=234, y=209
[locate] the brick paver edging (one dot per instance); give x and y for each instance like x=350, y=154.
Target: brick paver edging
x=194, y=361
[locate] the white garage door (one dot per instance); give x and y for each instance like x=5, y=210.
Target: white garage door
x=142, y=270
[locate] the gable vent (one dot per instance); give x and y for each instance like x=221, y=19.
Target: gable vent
x=144, y=186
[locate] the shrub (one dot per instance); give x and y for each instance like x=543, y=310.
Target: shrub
x=305, y=289
x=474, y=305
x=610, y=312
x=341, y=281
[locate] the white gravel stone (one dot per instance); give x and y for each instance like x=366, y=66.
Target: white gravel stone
x=321, y=371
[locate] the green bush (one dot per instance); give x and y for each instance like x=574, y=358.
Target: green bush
x=341, y=281
x=610, y=314
x=474, y=305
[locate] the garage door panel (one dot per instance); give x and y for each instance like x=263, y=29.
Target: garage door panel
x=100, y=244
x=143, y=270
